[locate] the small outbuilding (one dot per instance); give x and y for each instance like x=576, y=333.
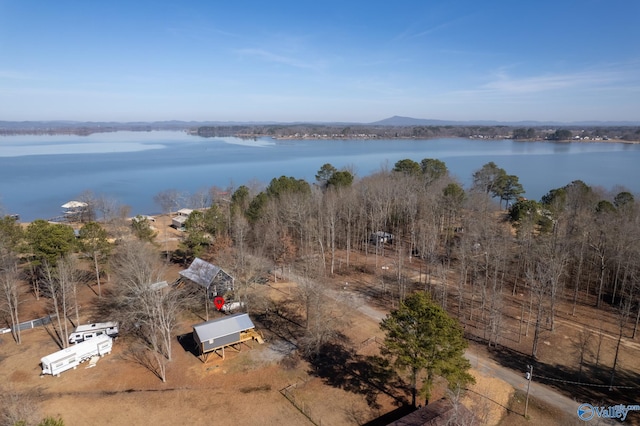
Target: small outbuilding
x=210, y=277
x=438, y=413
x=75, y=211
x=217, y=334
x=180, y=218
x=380, y=237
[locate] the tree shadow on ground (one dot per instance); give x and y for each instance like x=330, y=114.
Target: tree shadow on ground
x=189, y=344
x=391, y=416
x=370, y=376
x=105, y=306
x=282, y=322
x=178, y=257
x=592, y=386
x=88, y=278
x=138, y=354
x=52, y=331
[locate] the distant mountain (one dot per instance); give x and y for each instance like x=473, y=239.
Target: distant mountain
x=397, y=120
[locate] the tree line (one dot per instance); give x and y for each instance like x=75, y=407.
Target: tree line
x=364, y=131
x=335, y=131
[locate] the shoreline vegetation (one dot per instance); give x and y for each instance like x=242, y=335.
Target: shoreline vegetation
x=311, y=137
x=566, y=133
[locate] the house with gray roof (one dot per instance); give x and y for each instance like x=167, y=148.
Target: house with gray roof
x=212, y=278
x=219, y=333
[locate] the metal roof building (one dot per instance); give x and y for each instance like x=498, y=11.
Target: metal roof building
x=208, y=276
x=219, y=333
x=75, y=205
x=181, y=217
x=75, y=210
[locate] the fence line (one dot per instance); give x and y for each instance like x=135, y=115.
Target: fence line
x=367, y=342
x=28, y=325
x=300, y=406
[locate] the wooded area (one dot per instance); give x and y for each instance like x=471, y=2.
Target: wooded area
x=577, y=245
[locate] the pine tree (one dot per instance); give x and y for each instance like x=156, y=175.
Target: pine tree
x=421, y=336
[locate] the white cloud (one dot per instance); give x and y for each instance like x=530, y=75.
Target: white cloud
x=273, y=57
x=543, y=83
x=609, y=76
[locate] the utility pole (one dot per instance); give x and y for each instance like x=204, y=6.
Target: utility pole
x=529, y=377
x=521, y=320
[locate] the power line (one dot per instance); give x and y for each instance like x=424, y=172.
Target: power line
x=587, y=384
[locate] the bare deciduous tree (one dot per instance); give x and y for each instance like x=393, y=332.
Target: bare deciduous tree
x=149, y=312
x=582, y=345
x=10, y=291
x=60, y=282
x=95, y=246
x=18, y=408
x=622, y=316
x=321, y=323
x=67, y=278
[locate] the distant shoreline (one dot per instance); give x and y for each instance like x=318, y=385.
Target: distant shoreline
x=342, y=131
x=192, y=132
x=364, y=138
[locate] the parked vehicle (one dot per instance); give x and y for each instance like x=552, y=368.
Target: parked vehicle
x=72, y=356
x=88, y=331
x=232, y=307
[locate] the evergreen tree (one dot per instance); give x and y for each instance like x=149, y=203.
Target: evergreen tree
x=49, y=241
x=141, y=228
x=433, y=169
x=408, y=167
x=342, y=178
x=421, y=336
x=324, y=174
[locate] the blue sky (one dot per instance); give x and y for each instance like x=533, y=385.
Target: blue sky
x=508, y=60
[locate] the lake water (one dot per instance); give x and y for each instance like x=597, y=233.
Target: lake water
x=40, y=173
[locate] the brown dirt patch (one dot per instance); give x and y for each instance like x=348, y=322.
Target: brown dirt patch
x=488, y=398
x=246, y=387
x=538, y=413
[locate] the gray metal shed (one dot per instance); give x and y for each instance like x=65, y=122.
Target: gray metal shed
x=222, y=332
x=213, y=278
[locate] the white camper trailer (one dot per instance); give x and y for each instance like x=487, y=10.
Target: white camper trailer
x=232, y=307
x=70, y=357
x=88, y=331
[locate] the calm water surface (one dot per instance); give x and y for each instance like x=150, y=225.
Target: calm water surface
x=40, y=173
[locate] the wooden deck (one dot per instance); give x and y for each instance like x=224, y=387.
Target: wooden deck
x=245, y=336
